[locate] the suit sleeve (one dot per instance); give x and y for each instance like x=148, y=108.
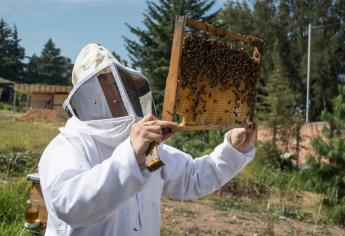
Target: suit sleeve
x=188, y=178
x=81, y=195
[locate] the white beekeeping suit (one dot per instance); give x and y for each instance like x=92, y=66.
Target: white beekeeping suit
x=90, y=178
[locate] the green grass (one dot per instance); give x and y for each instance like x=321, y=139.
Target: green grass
x=13, y=198
x=21, y=136
x=184, y=212
x=166, y=232
x=9, y=114
x=225, y=204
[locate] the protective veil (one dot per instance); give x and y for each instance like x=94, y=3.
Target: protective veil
x=107, y=96
x=90, y=178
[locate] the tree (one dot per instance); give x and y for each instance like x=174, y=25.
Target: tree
x=237, y=17
x=280, y=105
x=151, y=53
x=327, y=164
x=31, y=70
x=52, y=68
x=11, y=53
x=118, y=57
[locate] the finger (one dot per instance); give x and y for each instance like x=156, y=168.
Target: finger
x=240, y=134
x=252, y=137
x=240, y=131
x=167, y=124
x=153, y=137
x=155, y=129
x=250, y=126
x=251, y=132
x=148, y=117
x=151, y=122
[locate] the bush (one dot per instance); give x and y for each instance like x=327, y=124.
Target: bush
x=197, y=143
x=244, y=187
x=337, y=213
x=18, y=164
x=5, y=106
x=335, y=210
x=269, y=155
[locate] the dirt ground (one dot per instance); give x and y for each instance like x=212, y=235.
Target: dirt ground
x=200, y=217
x=44, y=115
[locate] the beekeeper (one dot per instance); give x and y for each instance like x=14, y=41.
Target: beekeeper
x=93, y=174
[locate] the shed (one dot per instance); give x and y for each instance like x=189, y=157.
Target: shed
x=6, y=89
x=42, y=95
x=5, y=82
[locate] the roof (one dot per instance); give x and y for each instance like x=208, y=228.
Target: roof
x=6, y=82
x=42, y=88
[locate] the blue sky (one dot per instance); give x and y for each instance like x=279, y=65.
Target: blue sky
x=73, y=23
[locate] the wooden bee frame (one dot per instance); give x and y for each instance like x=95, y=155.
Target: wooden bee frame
x=207, y=106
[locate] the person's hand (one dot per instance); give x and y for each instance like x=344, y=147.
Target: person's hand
x=146, y=131
x=242, y=138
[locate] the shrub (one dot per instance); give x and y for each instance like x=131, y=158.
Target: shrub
x=18, y=164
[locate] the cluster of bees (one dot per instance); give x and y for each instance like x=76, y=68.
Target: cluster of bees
x=225, y=66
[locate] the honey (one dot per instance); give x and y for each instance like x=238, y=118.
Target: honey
x=31, y=216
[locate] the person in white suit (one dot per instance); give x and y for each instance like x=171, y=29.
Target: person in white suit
x=93, y=174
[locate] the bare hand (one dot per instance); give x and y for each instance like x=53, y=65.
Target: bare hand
x=242, y=138
x=146, y=131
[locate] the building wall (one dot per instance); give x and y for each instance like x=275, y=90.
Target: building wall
x=47, y=101
x=58, y=100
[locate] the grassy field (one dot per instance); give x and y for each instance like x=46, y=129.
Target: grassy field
x=259, y=201
x=21, y=144
x=25, y=136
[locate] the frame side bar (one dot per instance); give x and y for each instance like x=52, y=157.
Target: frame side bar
x=174, y=70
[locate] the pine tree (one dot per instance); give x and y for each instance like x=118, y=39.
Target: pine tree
x=264, y=15
x=280, y=104
x=151, y=53
x=5, y=39
x=118, y=57
x=11, y=53
x=53, y=68
x=327, y=164
x=237, y=17
x=31, y=70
